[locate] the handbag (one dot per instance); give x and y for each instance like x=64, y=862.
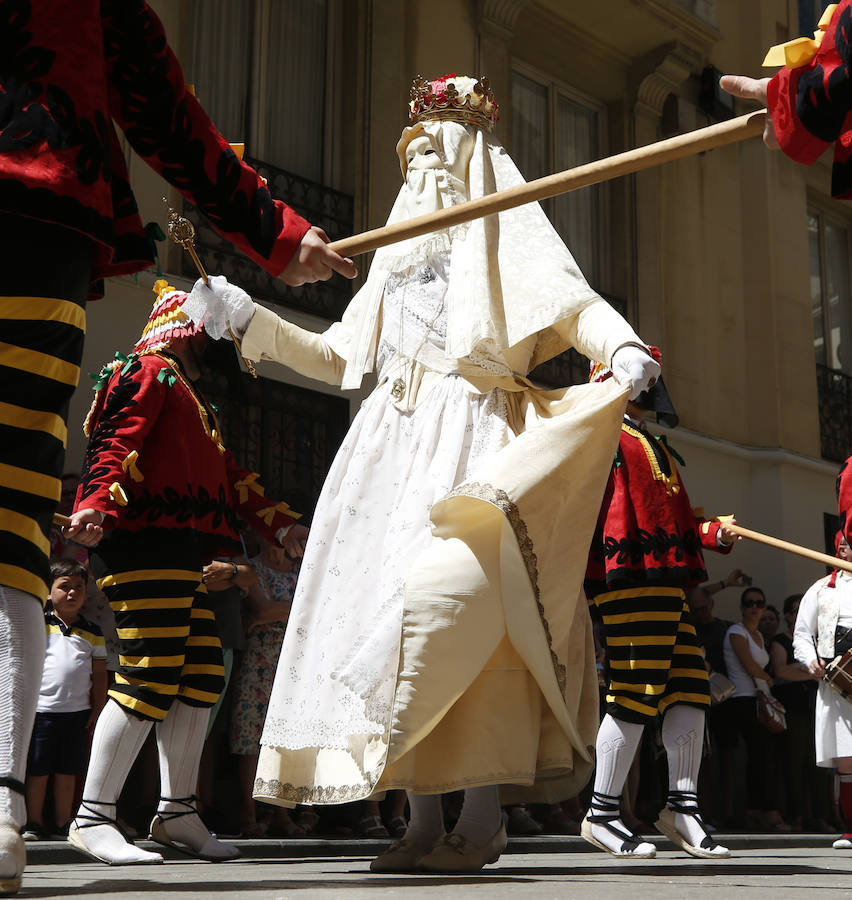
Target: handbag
x=721, y=688
x=771, y=714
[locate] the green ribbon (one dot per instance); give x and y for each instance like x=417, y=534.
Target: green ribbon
x=166, y=376
x=100, y=378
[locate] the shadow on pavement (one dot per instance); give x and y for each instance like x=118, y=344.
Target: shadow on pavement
x=669, y=870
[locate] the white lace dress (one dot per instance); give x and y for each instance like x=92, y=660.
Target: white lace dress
x=337, y=673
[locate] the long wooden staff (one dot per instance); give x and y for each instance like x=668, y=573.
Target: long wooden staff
x=720, y=135
x=815, y=555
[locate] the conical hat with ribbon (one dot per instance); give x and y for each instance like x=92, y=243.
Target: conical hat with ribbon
x=167, y=322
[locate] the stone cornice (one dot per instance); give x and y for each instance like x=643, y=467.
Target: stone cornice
x=694, y=29
x=578, y=35
x=662, y=72
x=500, y=16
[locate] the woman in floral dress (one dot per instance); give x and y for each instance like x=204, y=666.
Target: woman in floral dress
x=267, y=611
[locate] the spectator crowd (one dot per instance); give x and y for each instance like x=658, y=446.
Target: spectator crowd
x=751, y=778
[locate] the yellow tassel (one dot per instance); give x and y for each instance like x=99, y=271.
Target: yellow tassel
x=129, y=465
x=117, y=493
x=268, y=514
x=800, y=51
x=214, y=436
x=249, y=483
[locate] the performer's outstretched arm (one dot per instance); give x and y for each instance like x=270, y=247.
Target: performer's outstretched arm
x=227, y=310
x=269, y=336
x=168, y=128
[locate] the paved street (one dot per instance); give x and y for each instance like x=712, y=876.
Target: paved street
x=774, y=867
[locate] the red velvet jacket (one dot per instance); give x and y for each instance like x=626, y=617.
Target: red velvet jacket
x=844, y=499
x=647, y=533
x=67, y=69
x=155, y=462
x=811, y=105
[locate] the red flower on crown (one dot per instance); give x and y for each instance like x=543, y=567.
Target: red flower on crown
x=454, y=98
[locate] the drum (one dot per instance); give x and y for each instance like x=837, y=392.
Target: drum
x=838, y=674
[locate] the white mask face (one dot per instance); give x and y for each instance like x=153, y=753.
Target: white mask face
x=443, y=150
x=420, y=154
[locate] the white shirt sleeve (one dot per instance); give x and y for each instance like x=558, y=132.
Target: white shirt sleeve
x=805, y=632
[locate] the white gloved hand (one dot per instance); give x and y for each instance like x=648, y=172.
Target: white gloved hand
x=220, y=306
x=636, y=367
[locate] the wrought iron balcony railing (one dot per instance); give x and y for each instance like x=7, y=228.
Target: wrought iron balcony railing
x=320, y=205
x=834, y=389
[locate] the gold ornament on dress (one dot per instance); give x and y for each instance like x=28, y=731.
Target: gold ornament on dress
x=478, y=107
x=182, y=232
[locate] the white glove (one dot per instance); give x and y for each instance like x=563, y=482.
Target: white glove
x=220, y=307
x=636, y=367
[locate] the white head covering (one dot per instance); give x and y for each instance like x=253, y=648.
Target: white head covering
x=511, y=275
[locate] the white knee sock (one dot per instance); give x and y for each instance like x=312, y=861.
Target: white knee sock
x=426, y=824
x=616, y=747
x=118, y=738
x=481, y=815
x=683, y=738
x=22, y=641
x=180, y=741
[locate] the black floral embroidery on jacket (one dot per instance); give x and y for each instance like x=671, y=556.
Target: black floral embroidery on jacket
x=25, y=119
x=121, y=397
x=181, y=507
x=822, y=107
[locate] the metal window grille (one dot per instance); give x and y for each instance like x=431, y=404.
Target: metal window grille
x=321, y=205
x=834, y=390
x=288, y=434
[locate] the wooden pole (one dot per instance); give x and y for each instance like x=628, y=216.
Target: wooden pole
x=833, y=561
x=731, y=132
x=59, y=519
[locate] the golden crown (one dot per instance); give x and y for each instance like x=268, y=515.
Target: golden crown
x=453, y=98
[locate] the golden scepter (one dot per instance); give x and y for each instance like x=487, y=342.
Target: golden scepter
x=182, y=232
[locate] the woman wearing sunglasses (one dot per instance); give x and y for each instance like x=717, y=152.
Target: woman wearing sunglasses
x=745, y=659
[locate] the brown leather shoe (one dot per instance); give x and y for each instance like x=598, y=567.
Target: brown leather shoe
x=455, y=854
x=402, y=856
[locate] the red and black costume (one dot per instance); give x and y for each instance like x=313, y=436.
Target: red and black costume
x=844, y=499
x=66, y=71
x=647, y=550
x=811, y=105
x=69, y=219
x=170, y=493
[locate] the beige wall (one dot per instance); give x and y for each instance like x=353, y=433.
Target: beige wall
x=710, y=252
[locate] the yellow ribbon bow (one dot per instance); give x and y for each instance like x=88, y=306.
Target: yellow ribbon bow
x=129, y=465
x=249, y=483
x=800, y=51
x=268, y=514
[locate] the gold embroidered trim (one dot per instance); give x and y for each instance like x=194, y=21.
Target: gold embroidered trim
x=672, y=482
x=292, y=793
x=500, y=499
x=211, y=430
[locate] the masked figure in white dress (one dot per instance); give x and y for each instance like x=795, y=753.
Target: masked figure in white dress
x=439, y=638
